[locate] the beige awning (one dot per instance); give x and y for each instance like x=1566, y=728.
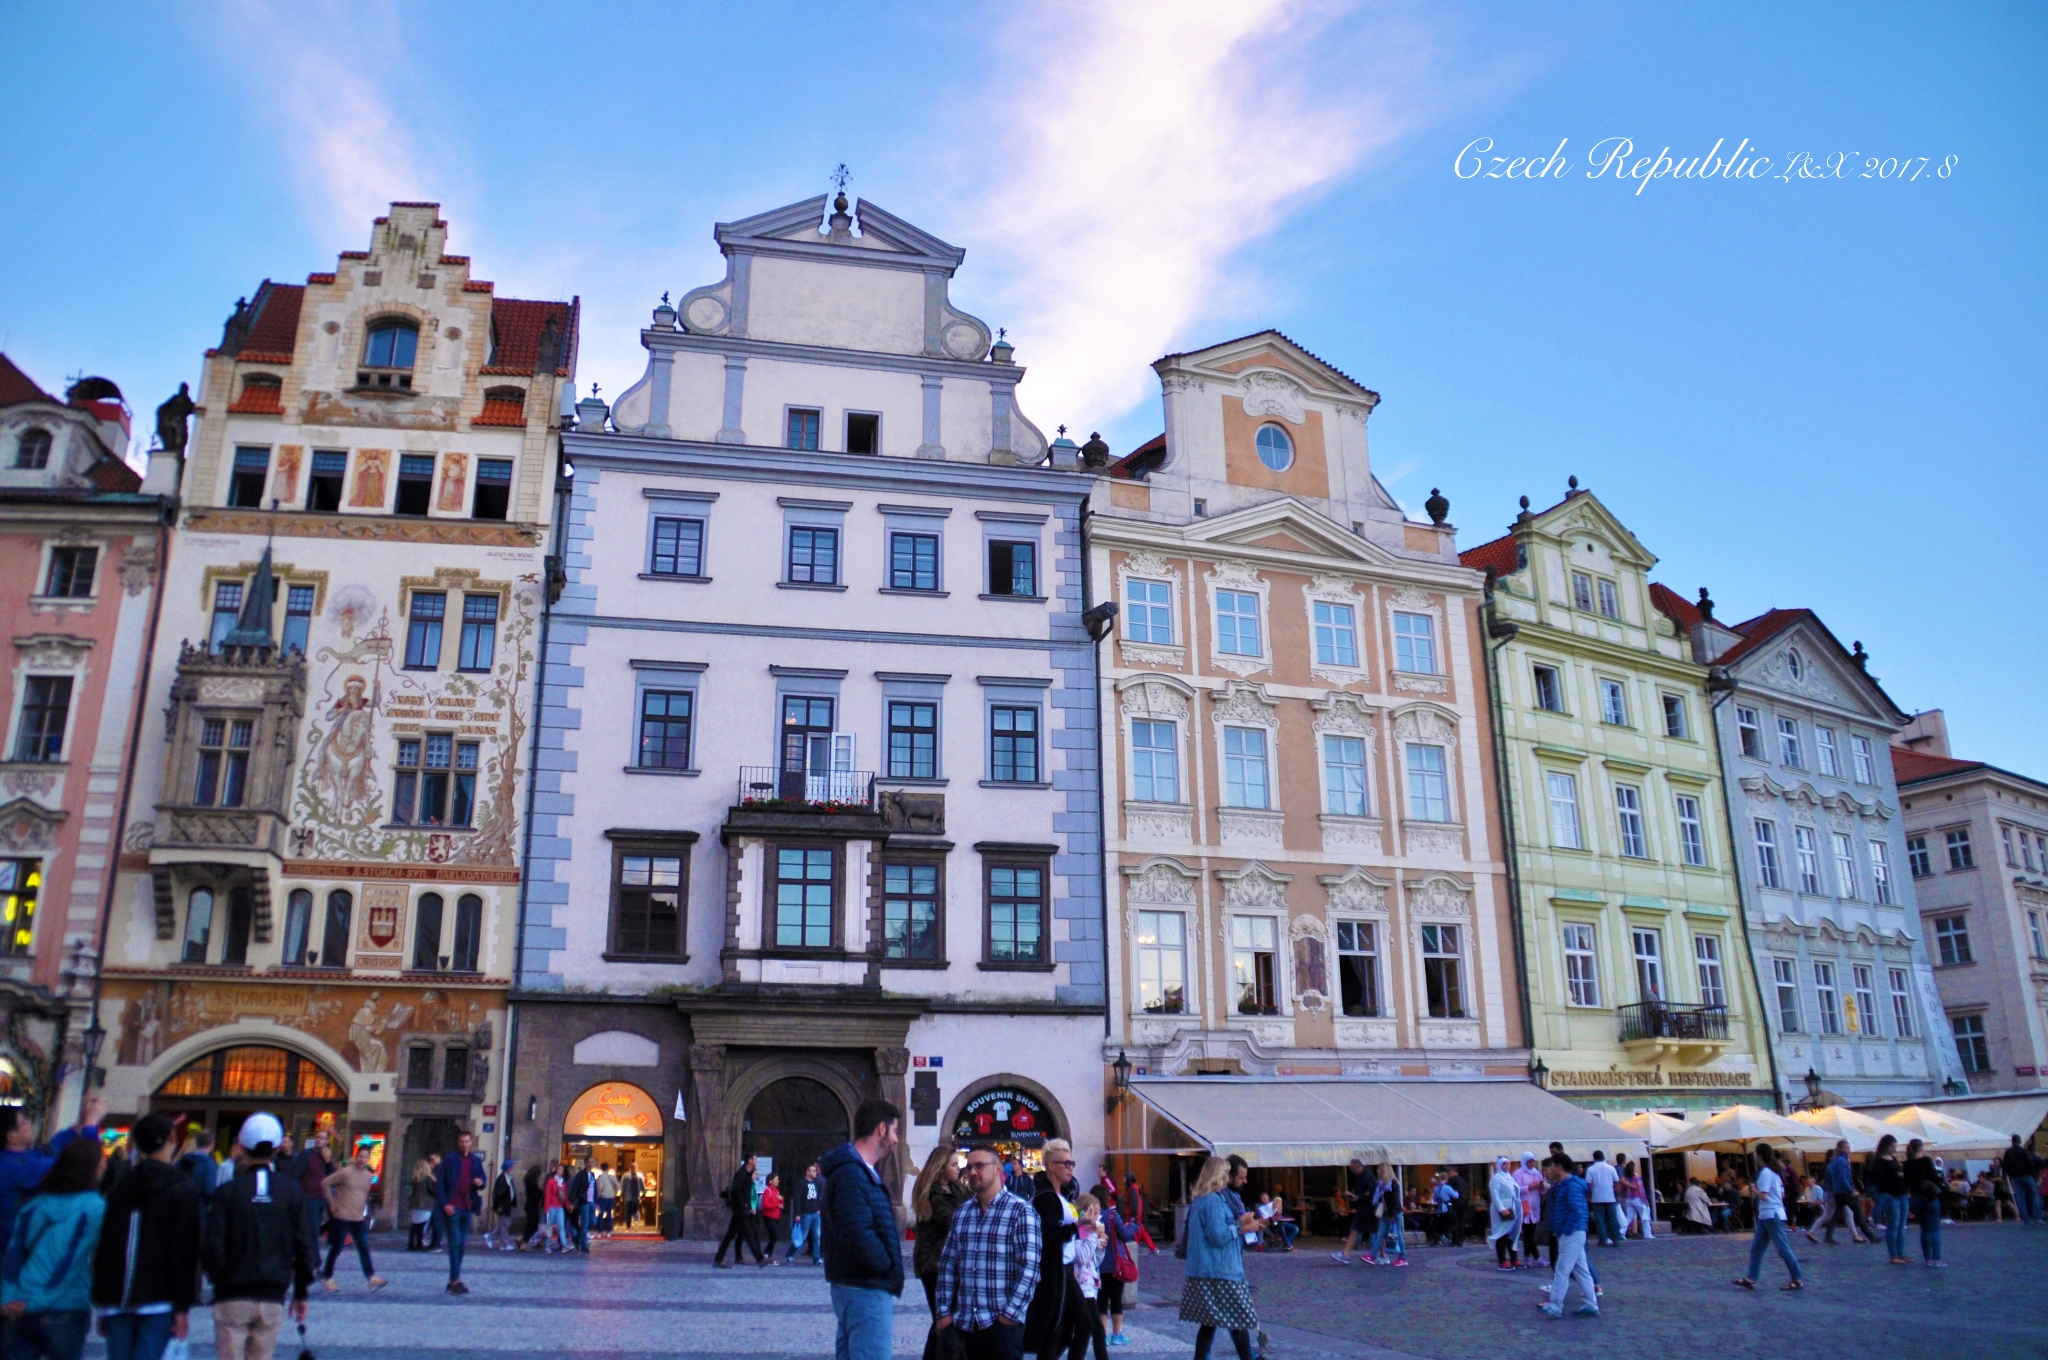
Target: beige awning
x=2008, y=1115
x=1311, y=1121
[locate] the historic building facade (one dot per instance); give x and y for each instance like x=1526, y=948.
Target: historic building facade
x=1636, y=961
x=1303, y=849
x=1977, y=850
x=817, y=810
x=81, y=544
x=1834, y=927
x=320, y=871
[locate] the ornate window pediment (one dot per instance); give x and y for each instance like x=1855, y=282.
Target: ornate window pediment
x=1152, y=570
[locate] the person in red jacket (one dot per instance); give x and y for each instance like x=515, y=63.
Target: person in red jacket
x=1133, y=1210
x=771, y=1212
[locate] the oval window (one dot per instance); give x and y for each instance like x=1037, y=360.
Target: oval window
x=1795, y=663
x=1276, y=450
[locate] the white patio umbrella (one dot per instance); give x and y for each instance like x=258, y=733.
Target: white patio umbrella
x=1947, y=1132
x=1655, y=1129
x=1839, y=1121
x=1739, y=1128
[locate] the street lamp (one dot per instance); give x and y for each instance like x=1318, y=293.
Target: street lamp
x=1122, y=1068
x=1539, y=1072
x=1954, y=1087
x=94, y=1036
x=1812, y=1087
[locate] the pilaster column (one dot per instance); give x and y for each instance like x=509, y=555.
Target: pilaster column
x=703, y=1215
x=735, y=394
x=934, y=437
x=890, y=1065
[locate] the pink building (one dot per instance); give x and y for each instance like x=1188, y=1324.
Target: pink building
x=81, y=545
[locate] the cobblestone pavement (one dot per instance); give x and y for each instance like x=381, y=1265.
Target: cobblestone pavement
x=1668, y=1299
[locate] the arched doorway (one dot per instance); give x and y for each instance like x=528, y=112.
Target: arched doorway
x=792, y=1123
x=616, y=1124
x=1015, y=1122
x=217, y=1091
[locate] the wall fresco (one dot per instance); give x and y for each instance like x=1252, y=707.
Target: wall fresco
x=364, y=1028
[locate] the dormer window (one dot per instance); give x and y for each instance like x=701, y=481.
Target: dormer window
x=388, y=355
x=262, y=395
x=32, y=450
x=503, y=406
x=1276, y=449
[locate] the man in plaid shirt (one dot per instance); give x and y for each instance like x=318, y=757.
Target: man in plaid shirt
x=989, y=1266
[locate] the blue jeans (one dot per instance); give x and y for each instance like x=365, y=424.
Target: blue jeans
x=1288, y=1232
x=1607, y=1218
x=807, y=1231
x=137, y=1336
x=1572, y=1265
x=55, y=1335
x=1930, y=1228
x=458, y=1238
x=1770, y=1232
x=1892, y=1212
x=1389, y=1242
x=2026, y=1197
x=585, y=1213
x=866, y=1323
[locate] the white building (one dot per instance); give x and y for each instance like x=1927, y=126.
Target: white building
x=818, y=805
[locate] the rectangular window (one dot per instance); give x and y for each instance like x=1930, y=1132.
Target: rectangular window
x=1582, y=591
x=1237, y=623
x=1442, y=977
x=1012, y=568
x=1916, y=857
x=1344, y=776
x=801, y=429
x=2012, y=857
x=1564, y=811
x=1613, y=703
x=1016, y=913
x=1786, y=977
x=1581, y=966
x=1807, y=850
x=1788, y=743
x=423, y=630
x=1163, y=963
x=1971, y=1045
x=1155, y=762
x=1610, y=600
x=1254, y=960
x=863, y=432
x=1415, y=643
x=251, y=474
x=647, y=905
x=479, y=647
x=1824, y=995
x=2034, y=937
x=913, y=561
x=1960, y=855
x=1429, y=789
x=1706, y=957
x=910, y=911
x=415, y=484
x=1336, y=638
x=1902, y=1003
x=454, y=1068
x=227, y=608
x=678, y=547
x=1767, y=854
x=1692, y=839
x=1358, y=968
x=913, y=739
x=324, y=483
x=71, y=572
x=1866, y=767
x=21, y=882
x=666, y=716
x=434, y=781
x=1649, y=952
x=1148, y=612
x=493, y=496
x=1244, y=768
x=45, y=708
x=1881, y=873
x=298, y=618
x=1549, y=689
x=1845, y=864
x=813, y=555
x=806, y=888
x=1863, y=1020
x=1824, y=751
x=1952, y=940
x=1750, y=732
x=223, y=761
x=1628, y=812
x=419, y=1068
x=2027, y=851
x=1013, y=744
x=1675, y=724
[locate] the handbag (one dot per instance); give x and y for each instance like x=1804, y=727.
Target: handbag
x=1127, y=1268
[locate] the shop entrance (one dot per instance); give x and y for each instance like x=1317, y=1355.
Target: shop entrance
x=790, y=1124
x=1014, y=1123
x=618, y=1125
x=218, y=1091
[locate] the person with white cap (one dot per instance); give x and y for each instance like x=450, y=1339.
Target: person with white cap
x=257, y=1244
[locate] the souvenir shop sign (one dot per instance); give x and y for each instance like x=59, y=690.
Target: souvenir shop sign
x=1004, y=1114
x=613, y=1110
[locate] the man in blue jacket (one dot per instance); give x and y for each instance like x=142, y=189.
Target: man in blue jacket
x=1840, y=1181
x=22, y=1163
x=863, y=1262
x=459, y=1185
x=1566, y=1216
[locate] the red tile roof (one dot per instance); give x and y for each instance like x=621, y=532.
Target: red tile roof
x=111, y=474
x=319, y=278
x=259, y=398
x=501, y=411
x=275, y=329
x=1499, y=556
x=1675, y=606
x=17, y=387
x=1911, y=766
x=517, y=325
x=1761, y=629
x=1140, y=459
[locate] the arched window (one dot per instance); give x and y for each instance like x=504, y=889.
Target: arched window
x=241, y=917
x=388, y=353
x=334, y=938
x=32, y=450
x=298, y=924
x=469, y=931
x=426, y=935
x=198, y=924
x=1276, y=450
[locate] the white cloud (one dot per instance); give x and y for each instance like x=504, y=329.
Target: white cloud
x=1149, y=144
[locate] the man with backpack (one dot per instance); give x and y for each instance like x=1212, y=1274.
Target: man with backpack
x=145, y=1275
x=739, y=1230
x=256, y=1245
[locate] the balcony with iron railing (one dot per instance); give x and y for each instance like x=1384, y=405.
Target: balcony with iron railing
x=1660, y=1030
x=772, y=800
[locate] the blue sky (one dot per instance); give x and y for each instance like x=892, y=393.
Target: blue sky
x=1815, y=393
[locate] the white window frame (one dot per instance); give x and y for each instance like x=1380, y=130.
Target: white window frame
x=1581, y=964
x=1237, y=767
x=1257, y=617
x=1609, y=598
x=1582, y=591
x=1790, y=753
x=1614, y=702
x=1865, y=763
x=1692, y=831
x=1342, y=626
x=1571, y=834
x=1845, y=865
x=1628, y=822
x=1407, y=652
x=1749, y=732
x=1179, y=784
x=1152, y=609
x=1806, y=857
x=1375, y=933
x=1537, y=670
x=1824, y=752
x=1827, y=1000
x=1769, y=871
x=1713, y=977
x=1897, y=983
x=1442, y=773
x=1364, y=774
x=1863, y=987
x=1280, y=988
x=1159, y=954
x=1785, y=984
x=2034, y=936
x=1649, y=963
x=1675, y=707
x=1881, y=873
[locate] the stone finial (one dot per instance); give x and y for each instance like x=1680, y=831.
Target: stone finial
x=1706, y=606
x=665, y=315
x=1438, y=506
x=1571, y=485
x=1002, y=351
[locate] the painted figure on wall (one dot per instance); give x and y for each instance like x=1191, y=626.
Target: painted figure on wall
x=366, y=1032
x=454, y=473
x=371, y=465
x=342, y=773
x=284, y=483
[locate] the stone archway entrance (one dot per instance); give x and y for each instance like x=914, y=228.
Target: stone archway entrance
x=218, y=1090
x=794, y=1121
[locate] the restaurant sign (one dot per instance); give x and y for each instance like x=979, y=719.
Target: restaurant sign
x=1617, y=1077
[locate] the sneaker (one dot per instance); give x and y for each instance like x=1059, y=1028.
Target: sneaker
x=1588, y=1311
x=1340, y=1258
x=377, y=1282
x=1937, y=1265
x=1400, y=1260
x=330, y=1286
x=1549, y=1311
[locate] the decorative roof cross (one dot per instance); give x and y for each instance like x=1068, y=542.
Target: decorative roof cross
x=840, y=175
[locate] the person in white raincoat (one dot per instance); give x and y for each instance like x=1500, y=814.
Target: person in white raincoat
x=1504, y=1216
